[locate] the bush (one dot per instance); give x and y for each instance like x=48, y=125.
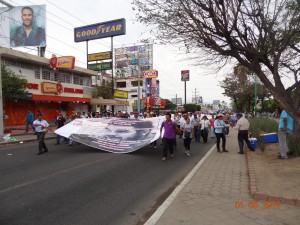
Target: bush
x=293, y=143
x=262, y=125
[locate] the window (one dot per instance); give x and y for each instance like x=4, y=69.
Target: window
x=135, y=83
x=121, y=84
x=59, y=77
x=46, y=75
x=78, y=80
x=68, y=78
x=37, y=73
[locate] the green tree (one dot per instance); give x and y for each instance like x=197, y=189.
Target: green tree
x=103, y=91
x=261, y=35
x=239, y=86
x=190, y=107
x=170, y=105
x=13, y=86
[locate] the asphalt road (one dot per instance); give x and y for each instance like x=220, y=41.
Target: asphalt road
x=80, y=185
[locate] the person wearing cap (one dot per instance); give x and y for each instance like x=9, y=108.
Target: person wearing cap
x=219, y=125
x=205, y=126
x=41, y=126
x=242, y=125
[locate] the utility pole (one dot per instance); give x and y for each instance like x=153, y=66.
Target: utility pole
x=112, y=74
x=195, y=96
x=138, y=94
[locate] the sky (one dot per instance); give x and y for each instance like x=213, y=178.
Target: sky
x=169, y=60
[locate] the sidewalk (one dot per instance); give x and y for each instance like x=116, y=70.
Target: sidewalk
x=18, y=135
x=218, y=193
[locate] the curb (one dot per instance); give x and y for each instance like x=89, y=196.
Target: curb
x=260, y=196
x=25, y=141
x=161, y=210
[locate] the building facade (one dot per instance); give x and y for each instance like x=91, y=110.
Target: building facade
x=65, y=91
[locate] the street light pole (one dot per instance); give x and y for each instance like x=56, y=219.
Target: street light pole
x=138, y=100
x=255, y=93
x=1, y=103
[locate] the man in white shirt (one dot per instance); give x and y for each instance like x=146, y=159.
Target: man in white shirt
x=41, y=127
x=205, y=126
x=242, y=126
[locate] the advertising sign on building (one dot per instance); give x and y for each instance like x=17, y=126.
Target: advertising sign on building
x=13, y=22
x=48, y=87
x=99, y=56
x=100, y=30
x=62, y=62
x=120, y=94
x=150, y=74
x=185, y=75
x=100, y=66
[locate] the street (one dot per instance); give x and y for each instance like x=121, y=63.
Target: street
x=82, y=185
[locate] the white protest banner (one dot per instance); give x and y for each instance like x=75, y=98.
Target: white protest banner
x=115, y=135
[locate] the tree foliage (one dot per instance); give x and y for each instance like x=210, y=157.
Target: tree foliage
x=240, y=85
x=170, y=105
x=191, y=107
x=103, y=91
x=13, y=86
x=261, y=35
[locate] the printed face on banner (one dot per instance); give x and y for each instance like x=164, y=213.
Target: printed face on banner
x=16, y=23
x=115, y=135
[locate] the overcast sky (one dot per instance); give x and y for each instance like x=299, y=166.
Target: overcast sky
x=63, y=16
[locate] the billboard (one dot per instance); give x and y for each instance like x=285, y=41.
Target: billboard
x=15, y=20
x=129, y=61
x=185, y=75
x=99, y=56
x=100, y=30
x=197, y=100
x=100, y=66
x=120, y=94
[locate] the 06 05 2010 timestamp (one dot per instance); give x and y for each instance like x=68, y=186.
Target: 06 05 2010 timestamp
x=253, y=204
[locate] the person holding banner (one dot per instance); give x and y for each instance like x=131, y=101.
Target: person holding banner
x=28, y=34
x=169, y=136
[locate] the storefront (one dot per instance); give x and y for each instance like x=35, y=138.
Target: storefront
x=65, y=91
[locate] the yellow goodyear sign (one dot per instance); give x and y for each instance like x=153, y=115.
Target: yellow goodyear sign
x=99, y=56
x=100, y=30
x=120, y=94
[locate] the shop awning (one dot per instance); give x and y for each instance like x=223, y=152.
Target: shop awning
x=57, y=98
x=96, y=101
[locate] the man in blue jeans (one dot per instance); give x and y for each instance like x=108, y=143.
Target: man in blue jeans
x=285, y=127
x=60, y=122
x=29, y=121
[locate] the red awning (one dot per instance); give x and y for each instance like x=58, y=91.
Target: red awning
x=56, y=98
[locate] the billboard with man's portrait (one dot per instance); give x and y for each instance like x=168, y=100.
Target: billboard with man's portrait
x=23, y=26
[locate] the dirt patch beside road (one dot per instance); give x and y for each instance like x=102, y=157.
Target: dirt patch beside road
x=276, y=177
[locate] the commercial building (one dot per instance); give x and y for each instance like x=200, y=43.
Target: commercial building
x=50, y=91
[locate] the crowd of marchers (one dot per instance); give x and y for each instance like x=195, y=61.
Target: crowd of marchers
x=190, y=126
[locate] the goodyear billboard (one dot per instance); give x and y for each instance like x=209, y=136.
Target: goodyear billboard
x=100, y=30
